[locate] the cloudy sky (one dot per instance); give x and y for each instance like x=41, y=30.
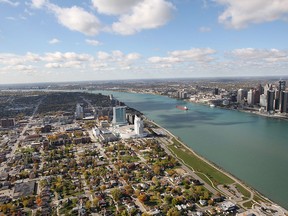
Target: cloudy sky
x=52, y=40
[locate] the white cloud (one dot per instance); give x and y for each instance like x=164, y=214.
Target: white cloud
x=12, y=3
x=54, y=41
x=38, y=3
x=240, y=13
x=259, y=55
x=132, y=15
x=157, y=59
x=114, y=7
x=117, y=54
x=10, y=18
x=68, y=56
x=103, y=55
x=204, y=29
x=148, y=14
x=199, y=55
x=77, y=19
x=32, y=57
x=20, y=67
x=195, y=54
x=53, y=65
x=133, y=56
x=93, y=42
x=68, y=64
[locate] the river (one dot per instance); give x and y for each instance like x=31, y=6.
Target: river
x=252, y=148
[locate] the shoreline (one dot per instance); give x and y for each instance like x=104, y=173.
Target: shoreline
x=250, y=189
x=285, y=118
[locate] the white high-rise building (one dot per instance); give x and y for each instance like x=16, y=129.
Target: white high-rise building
x=250, y=97
x=263, y=100
x=241, y=95
x=138, y=125
x=79, y=114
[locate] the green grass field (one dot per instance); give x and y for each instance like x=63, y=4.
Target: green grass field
x=200, y=166
x=243, y=191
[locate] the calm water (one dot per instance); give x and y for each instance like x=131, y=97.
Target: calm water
x=251, y=147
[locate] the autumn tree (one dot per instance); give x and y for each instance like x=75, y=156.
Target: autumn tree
x=173, y=212
x=116, y=194
x=39, y=201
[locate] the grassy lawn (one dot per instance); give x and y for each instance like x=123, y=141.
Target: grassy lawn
x=201, y=166
x=259, y=199
x=243, y=191
x=129, y=159
x=248, y=204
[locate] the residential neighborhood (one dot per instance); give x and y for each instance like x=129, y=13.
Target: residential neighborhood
x=56, y=164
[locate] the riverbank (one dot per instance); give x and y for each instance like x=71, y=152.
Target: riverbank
x=267, y=115
x=210, y=172
x=238, y=142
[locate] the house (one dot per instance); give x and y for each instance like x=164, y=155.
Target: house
x=203, y=202
x=228, y=206
x=24, y=189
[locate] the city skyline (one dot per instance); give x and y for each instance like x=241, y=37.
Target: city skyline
x=47, y=40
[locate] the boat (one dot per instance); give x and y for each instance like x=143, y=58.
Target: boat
x=212, y=105
x=182, y=107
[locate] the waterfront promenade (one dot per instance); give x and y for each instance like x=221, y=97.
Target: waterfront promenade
x=255, y=199
x=217, y=134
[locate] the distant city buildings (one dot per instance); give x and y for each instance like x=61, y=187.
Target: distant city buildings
x=182, y=94
x=271, y=98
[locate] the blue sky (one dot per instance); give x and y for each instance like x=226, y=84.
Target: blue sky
x=49, y=40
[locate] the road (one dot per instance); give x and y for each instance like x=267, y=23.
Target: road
x=21, y=136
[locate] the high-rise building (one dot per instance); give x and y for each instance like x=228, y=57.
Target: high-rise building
x=182, y=94
x=263, y=100
x=119, y=115
x=282, y=85
x=270, y=100
x=138, y=125
x=260, y=89
x=267, y=88
x=284, y=102
x=257, y=94
x=281, y=88
x=79, y=114
x=251, y=97
x=241, y=95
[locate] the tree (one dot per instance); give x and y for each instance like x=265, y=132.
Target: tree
x=206, y=195
x=168, y=199
x=143, y=197
x=116, y=194
x=102, y=187
x=25, y=203
x=124, y=213
x=88, y=204
x=129, y=190
x=177, y=200
x=96, y=201
x=173, y=212
x=39, y=201
x=157, y=169
x=210, y=202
